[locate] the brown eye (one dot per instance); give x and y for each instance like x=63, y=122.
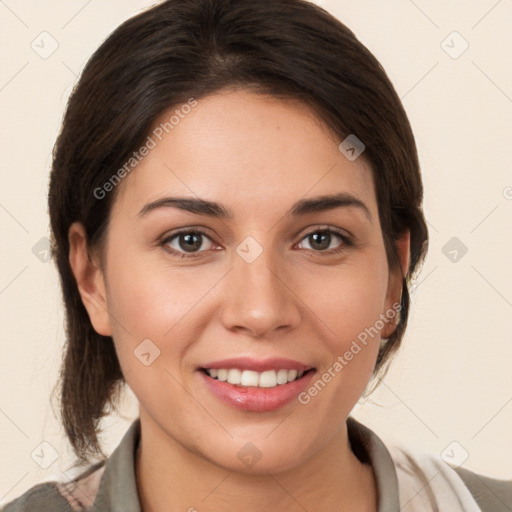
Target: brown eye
x=187, y=243
x=324, y=240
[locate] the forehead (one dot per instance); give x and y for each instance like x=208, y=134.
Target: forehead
x=253, y=152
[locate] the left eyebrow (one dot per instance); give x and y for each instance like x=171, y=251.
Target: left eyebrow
x=329, y=202
x=300, y=208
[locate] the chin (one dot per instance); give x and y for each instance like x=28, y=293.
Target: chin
x=258, y=457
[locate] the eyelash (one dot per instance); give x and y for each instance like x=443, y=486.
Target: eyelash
x=346, y=242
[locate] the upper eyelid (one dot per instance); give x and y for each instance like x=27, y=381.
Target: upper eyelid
x=337, y=231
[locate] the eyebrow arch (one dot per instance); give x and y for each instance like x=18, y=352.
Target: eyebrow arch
x=300, y=208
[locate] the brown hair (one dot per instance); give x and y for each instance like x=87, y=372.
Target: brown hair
x=182, y=49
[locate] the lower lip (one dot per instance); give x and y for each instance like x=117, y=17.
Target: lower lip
x=254, y=399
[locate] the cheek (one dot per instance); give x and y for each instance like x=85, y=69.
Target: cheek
x=352, y=298
x=169, y=305
x=151, y=310
x=155, y=302
x=350, y=304
x=152, y=300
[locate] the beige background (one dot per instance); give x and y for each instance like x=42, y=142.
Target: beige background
x=452, y=380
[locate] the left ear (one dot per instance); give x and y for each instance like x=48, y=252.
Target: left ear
x=396, y=278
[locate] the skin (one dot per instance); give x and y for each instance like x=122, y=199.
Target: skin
x=257, y=156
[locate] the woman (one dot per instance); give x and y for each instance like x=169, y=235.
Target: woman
x=235, y=203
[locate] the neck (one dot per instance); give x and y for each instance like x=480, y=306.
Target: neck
x=171, y=478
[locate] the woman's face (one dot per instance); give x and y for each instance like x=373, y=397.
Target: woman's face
x=274, y=284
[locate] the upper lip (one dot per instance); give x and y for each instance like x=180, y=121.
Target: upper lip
x=258, y=365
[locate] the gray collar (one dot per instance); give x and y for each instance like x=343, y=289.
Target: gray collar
x=369, y=448
x=118, y=487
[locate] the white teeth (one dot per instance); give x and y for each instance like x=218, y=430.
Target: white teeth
x=267, y=379
x=282, y=376
x=292, y=374
x=249, y=378
x=234, y=376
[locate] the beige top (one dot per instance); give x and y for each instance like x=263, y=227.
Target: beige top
x=405, y=482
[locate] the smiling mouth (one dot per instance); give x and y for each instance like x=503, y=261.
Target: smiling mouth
x=250, y=378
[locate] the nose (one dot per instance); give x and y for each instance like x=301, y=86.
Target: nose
x=259, y=297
